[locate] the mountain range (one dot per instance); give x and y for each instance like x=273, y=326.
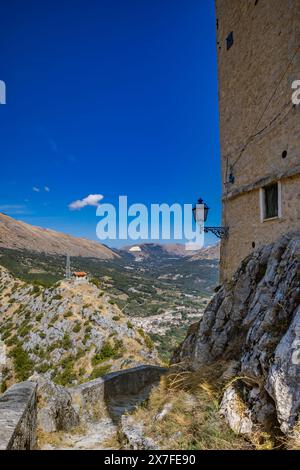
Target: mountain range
x=19, y=235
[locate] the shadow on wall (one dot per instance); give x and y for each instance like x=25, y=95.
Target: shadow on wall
x=125, y=390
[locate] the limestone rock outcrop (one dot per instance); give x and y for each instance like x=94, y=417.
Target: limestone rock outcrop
x=254, y=319
x=133, y=434
x=55, y=411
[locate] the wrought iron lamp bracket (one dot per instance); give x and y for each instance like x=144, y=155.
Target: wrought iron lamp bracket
x=220, y=232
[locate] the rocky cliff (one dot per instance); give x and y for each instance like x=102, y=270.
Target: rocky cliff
x=251, y=332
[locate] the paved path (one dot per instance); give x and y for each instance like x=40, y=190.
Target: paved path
x=96, y=435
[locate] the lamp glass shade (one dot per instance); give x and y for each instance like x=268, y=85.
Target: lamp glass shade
x=200, y=211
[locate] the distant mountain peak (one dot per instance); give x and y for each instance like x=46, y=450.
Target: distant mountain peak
x=172, y=250
x=18, y=235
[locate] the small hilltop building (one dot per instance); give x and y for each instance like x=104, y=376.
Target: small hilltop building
x=80, y=276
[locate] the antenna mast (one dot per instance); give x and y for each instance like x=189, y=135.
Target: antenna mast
x=68, y=267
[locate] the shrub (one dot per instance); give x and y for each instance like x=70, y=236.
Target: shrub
x=3, y=387
x=147, y=340
x=77, y=328
x=100, y=371
x=66, y=342
x=57, y=297
x=35, y=290
x=129, y=325
x=67, y=374
x=108, y=351
x=68, y=314
x=24, y=330
x=22, y=364
x=43, y=368
x=11, y=341
x=116, y=318
x=20, y=308
x=96, y=282
x=6, y=335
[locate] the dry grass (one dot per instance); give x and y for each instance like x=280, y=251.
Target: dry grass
x=58, y=439
x=193, y=421
x=293, y=442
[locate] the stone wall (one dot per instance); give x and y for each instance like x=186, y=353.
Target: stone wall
x=90, y=398
x=40, y=405
x=18, y=417
x=255, y=129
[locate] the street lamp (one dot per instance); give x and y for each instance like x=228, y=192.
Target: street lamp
x=200, y=214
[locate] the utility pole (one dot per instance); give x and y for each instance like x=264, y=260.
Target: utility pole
x=68, y=267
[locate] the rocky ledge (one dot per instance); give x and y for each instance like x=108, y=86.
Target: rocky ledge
x=252, y=327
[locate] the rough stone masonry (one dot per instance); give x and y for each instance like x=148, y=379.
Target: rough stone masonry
x=258, y=45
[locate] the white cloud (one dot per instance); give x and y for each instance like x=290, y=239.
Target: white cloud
x=47, y=189
x=35, y=189
x=91, y=200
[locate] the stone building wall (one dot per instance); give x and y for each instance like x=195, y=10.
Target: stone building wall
x=258, y=120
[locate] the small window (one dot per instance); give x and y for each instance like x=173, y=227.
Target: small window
x=271, y=201
x=229, y=40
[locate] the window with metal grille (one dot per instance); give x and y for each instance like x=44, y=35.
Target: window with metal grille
x=270, y=199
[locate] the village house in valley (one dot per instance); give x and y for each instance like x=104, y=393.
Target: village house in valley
x=258, y=45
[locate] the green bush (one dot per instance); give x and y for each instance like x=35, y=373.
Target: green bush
x=66, y=342
x=147, y=340
x=57, y=297
x=35, y=290
x=42, y=368
x=6, y=335
x=22, y=364
x=129, y=325
x=96, y=282
x=108, y=351
x=11, y=341
x=116, y=318
x=24, y=330
x=100, y=371
x=77, y=328
x=20, y=308
x=68, y=314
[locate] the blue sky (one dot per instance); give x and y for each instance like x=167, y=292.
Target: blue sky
x=107, y=97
